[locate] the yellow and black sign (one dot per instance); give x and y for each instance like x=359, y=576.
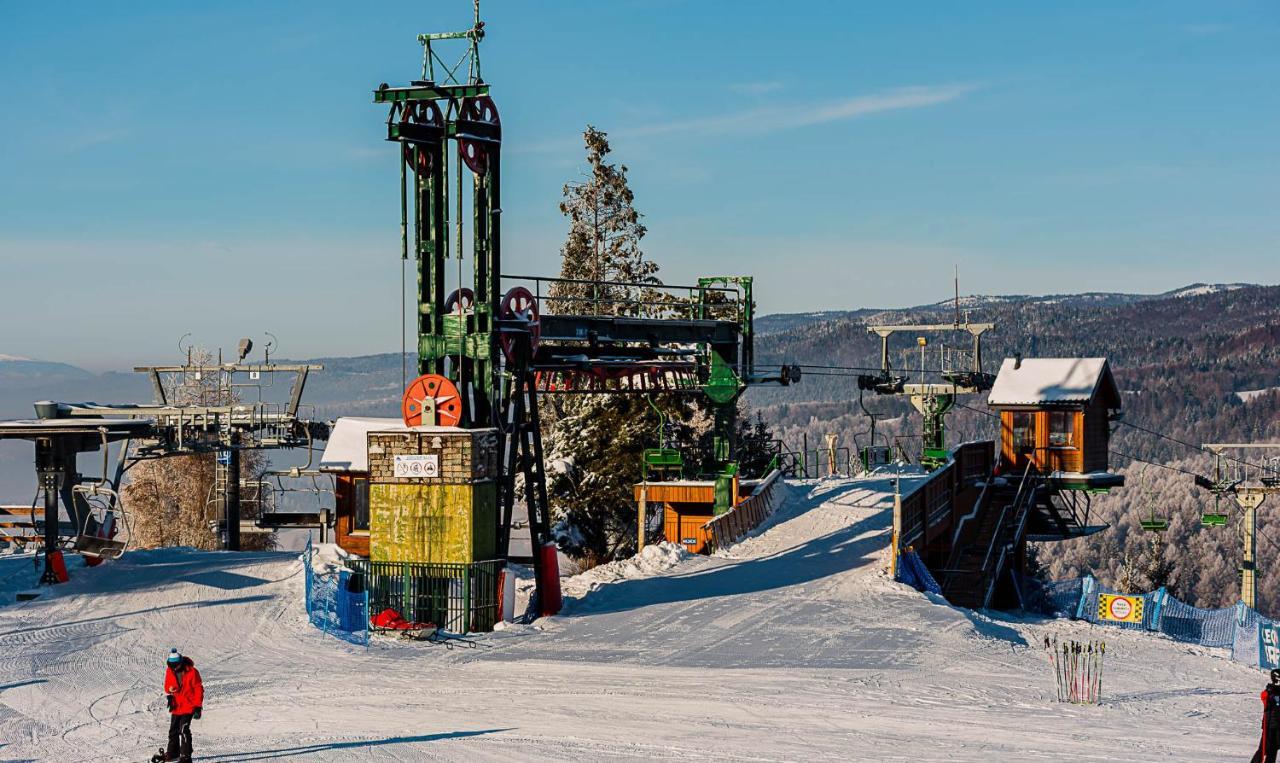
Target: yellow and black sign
x=1120, y=609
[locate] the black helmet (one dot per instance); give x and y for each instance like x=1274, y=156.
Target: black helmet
x=1275, y=676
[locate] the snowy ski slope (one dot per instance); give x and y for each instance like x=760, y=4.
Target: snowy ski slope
x=793, y=645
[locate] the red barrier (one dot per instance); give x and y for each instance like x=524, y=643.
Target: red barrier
x=549, y=585
x=59, y=566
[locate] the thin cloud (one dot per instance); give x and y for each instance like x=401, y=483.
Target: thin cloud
x=1205, y=30
x=85, y=140
x=771, y=119
x=775, y=118
x=755, y=88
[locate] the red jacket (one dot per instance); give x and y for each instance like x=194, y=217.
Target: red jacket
x=185, y=687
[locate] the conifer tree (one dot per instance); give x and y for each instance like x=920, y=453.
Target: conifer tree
x=597, y=441
x=603, y=245
x=1156, y=566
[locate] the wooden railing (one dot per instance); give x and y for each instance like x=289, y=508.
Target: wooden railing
x=930, y=514
x=746, y=516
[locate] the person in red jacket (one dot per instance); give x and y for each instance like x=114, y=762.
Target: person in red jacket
x=185, y=692
x=1270, y=744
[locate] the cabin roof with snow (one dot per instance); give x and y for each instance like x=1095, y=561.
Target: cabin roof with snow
x=1054, y=382
x=348, y=447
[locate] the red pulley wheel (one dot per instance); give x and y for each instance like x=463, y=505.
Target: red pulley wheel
x=460, y=301
x=519, y=304
x=421, y=112
x=475, y=154
x=433, y=387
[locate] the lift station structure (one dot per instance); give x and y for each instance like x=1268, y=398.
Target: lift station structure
x=491, y=345
x=234, y=416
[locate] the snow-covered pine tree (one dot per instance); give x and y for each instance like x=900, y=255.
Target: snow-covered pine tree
x=1129, y=577
x=603, y=245
x=595, y=442
x=1157, y=569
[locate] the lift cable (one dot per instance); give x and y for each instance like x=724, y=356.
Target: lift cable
x=1152, y=463
x=874, y=369
x=1193, y=446
x=1151, y=432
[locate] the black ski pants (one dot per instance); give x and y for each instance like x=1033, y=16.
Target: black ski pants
x=1268, y=747
x=179, y=737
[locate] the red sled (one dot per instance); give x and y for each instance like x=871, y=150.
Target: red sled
x=391, y=620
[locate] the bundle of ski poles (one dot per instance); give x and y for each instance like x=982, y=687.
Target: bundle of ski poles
x=1077, y=669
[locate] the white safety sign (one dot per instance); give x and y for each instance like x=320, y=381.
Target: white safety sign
x=417, y=466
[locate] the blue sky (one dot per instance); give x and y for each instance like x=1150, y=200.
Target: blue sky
x=220, y=169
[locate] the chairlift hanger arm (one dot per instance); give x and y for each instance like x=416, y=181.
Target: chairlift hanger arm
x=976, y=329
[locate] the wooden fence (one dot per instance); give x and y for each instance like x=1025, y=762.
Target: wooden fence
x=930, y=513
x=746, y=516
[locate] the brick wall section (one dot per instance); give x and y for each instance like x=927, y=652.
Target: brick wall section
x=466, y=456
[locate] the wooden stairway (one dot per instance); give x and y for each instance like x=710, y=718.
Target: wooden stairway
x=983, y=552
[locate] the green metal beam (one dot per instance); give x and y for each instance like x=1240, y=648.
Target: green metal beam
x=425, y=92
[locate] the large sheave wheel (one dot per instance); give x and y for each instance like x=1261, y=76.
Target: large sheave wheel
x=519, y=304
x=438, y=390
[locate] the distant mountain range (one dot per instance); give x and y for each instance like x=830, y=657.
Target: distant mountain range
x=779, y=322
x=1198, y=345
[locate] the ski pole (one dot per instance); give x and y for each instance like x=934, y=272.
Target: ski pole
x=1074, y=682
x=1057, y=667
x=1102, y=653
x=1088, y=671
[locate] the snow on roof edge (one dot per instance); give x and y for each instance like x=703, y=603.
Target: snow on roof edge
x=1040, y=381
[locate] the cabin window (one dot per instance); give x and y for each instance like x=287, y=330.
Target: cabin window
x=1024, y=431
x=1062, y=429
x=360, y=502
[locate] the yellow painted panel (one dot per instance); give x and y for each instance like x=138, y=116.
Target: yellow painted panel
x=421, y=523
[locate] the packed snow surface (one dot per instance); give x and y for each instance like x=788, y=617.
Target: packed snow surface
x=1248, y=395
x=791, y=645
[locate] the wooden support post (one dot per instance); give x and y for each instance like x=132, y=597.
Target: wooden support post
x=897, y=531
x=642, y=517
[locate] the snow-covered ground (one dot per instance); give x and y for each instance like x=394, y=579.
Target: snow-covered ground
x=792, y=645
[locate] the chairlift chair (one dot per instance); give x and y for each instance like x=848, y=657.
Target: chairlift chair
x=106, y=508
x=1153, y=524
x=663, y=460
x=1214, y=518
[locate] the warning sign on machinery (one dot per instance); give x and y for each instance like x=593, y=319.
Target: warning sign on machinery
x=1120, y=609
x=417, y=466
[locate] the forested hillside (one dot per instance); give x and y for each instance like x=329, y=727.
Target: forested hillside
x=1200, y=365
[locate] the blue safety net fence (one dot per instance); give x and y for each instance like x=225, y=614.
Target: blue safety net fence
x=332, y=605
x=1241, y=629
x=913, y=572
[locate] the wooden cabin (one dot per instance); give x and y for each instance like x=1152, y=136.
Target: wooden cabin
x=346, y=457
x=687, y=506
x=1056, y=413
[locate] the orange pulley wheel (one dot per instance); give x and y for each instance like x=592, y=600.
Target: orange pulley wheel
x=431, y=392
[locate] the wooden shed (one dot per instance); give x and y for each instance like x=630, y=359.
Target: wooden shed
x=1056, y=413
x=346, y=457
x=687, y=506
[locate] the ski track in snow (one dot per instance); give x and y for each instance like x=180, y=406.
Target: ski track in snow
x=792, y=644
